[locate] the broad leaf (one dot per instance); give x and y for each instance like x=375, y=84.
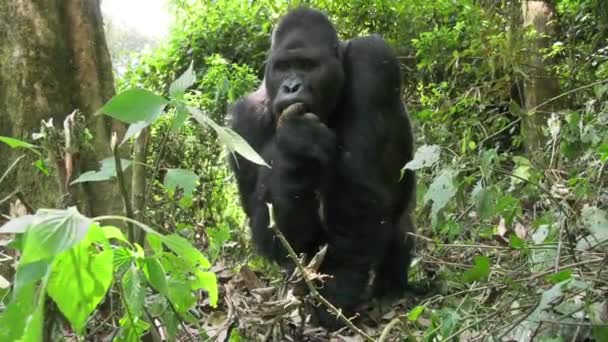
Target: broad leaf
x=181, y=115
x=183, y=82
x=185, y=179
x=208, y=282
x=441, y=191
x=16, y=143
x=82, y=277
x=228, y=137
x=133, y=291
x=185, y=250
x=53, y=232
x=426, y=156
x=134, y=130
x=156, y=275
x=131, y=329
x=480, y=271
x=22, y=318
x=595, y=221
x=106, y=172
x=18, y=225
x=135, y=105
x=415, y=313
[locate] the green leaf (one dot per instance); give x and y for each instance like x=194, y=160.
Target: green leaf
x=134, y=130
x=484, y=203
x=595, y=220
x=16, y=143
x=156, y=275
x=208, y=282
x=228, y=137
x=180, y=295
x=602, y=150
x=181, y=115
x=183, y=82
x=441, y=191
x=131, y=329
x=135, y=105
x=522, y=170
x=106, y=172
x=22, y=318
x=53, y=232
x=185, y=179
x=415, y=313
x=31, y=273
x=114, y=233
x=426, y=156
x=515, y=242
x=134, y=291
x=185, y=250
x=82, y=277
x=559, y=276
x=480, y=271
x=123, y=258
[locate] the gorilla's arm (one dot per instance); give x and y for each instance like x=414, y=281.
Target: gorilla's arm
x=290, y=186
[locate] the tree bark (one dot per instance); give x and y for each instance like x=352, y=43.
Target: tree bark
x=540, y=86
x=53, y=60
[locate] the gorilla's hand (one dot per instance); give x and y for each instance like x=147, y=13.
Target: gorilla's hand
x=301, y=135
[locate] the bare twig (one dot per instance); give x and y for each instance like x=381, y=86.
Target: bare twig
x=388, y=328
x=313, y=290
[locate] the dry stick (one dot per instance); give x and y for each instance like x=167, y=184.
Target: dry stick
x=388, y=328
x=313, y=290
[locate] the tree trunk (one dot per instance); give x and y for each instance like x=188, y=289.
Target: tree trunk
x=53, y=60
x=540, y=86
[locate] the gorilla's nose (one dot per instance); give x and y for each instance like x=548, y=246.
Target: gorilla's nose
x=291, y=86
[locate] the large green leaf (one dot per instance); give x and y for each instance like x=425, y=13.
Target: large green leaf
x=185, y=250
x=16, y=143
x=185, y=179
x=106, y=171
x=228, y=137
x=426, y=156
x=22, y=319
x=155, y=273
x=52, y=232
x=133, y=291
x=480, y=271
x=81, y=277
x=208, y=282
x=183, y=82
x=595, y=221
x=135, y=105
x=441, y=191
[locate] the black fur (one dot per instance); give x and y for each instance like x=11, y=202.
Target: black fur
x=335, y=175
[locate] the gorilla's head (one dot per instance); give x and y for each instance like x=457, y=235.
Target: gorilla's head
x=305, y=65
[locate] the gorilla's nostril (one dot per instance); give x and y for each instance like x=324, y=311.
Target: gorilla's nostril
x=295, y=87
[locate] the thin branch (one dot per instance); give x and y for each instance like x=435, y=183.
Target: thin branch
x=313, y=290
x=567, y=93
x=388, y=328
x=123, y=187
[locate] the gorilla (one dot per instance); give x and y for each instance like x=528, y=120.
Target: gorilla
x=329, y=119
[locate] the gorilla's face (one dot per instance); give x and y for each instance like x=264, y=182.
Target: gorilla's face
x=305, y=67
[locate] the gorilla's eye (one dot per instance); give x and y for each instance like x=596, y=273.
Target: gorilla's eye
x=281, y=65
x=305, y=64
